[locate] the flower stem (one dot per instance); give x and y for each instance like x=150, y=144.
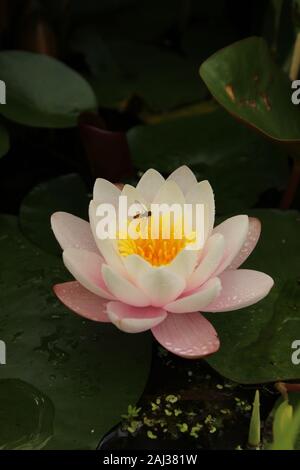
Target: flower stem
x=295, y=64
x=291, y=190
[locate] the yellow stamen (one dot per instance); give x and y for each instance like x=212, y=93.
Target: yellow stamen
x=157, y=251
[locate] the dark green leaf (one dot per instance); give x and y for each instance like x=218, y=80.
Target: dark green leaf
x=245, y=80
x=256, y=342
x=123, y=69
x=88, y=372
x=239, y=164
x=43, y=92
x=44, y=200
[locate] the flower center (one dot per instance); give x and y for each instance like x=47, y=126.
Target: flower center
x=157, y=251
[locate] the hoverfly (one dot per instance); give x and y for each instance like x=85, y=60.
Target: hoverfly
x=144, y=212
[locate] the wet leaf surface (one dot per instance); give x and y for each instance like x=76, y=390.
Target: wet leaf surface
x=256, y=341
x=89, y=371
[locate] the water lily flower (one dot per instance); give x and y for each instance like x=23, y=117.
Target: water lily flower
x=161, y=285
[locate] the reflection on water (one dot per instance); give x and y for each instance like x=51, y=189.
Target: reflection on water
x=26, y=416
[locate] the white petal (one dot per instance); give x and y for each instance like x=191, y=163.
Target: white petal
x=196, y=300
x=123, y=289
x=161, y=286
x=86, y=268
x=212, y=256
x=71, y=231
x=184, y=178
x=149, y=184
x=133, y=319
x=234, y=231
x=184, y=263
x=169, y=193
x=108, y=248
x=134, y=196
x=106, y=192
x=202, y=193
x=136, y=266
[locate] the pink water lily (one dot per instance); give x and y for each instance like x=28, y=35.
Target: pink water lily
x=137, y=292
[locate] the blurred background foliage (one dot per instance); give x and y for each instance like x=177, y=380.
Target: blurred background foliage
x=110, y=88
x=135, y=64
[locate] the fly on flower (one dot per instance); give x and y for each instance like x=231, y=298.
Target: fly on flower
x=143, y=212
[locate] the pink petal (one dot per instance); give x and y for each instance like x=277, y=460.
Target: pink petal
x=86, y=268
x=235, y=232
x=240, y=288
x=249, y=245
x=190, y=335
x=74, y=296
x=133, y=319
x=197, y=299
x=71, y=231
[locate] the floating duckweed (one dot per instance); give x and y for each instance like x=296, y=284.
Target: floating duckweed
x=134, y=426
x=177, y=411
x=183, y=427
x=225, y=411
x=162, y=423
x=151, y=435
x=158, y=401
x=230, y=385
x=208, y=419
x=219, y=386
x=168, y=412
x=171, y=398
x=243, y=405
x=195, y=430
x=149, y=422
x=212, y=429
x=132, y=412
x=154, y=406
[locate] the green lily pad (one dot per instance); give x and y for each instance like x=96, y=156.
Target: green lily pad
x=43, y=92
x=28, y=415
x=256, y=341
x=245, y=80
x=239, y=164
x=44, y=200
x=4, y=141
x=88, y=371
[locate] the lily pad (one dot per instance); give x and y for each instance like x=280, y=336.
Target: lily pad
x=43, y=92
x=4, y=141
x=245, y=80
x=121, y=70
x=44, y=200
x=256, y=342
x=239, y=164
x=89, y=371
